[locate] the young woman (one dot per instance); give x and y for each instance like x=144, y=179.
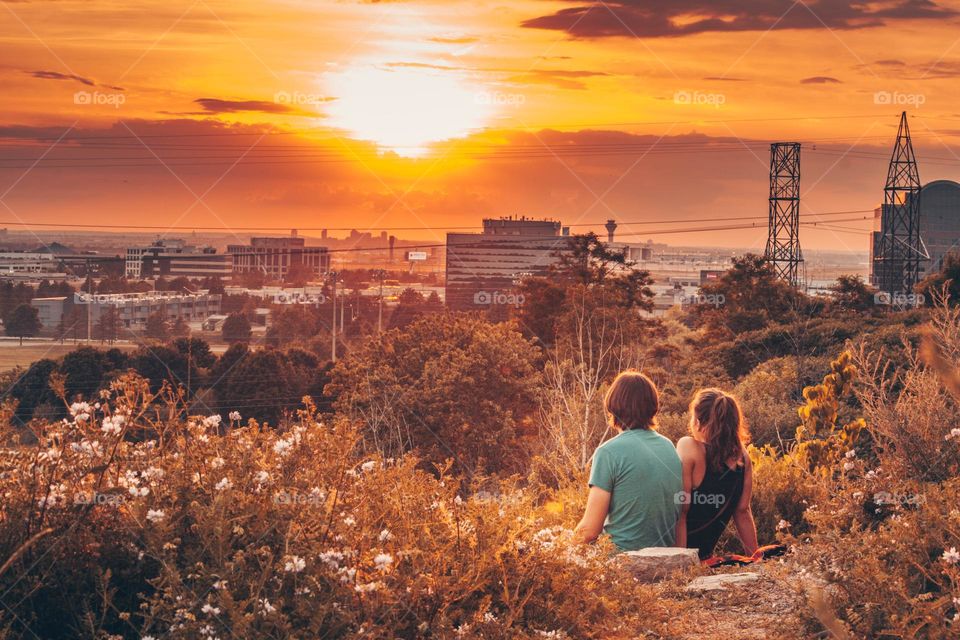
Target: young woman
x=717, y=475
x=636, y=476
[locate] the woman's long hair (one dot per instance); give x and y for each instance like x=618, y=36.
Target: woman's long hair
x=716, y=419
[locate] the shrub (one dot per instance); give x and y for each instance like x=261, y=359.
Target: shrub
x=119, y=524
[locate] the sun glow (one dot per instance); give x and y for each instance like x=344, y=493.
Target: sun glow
x=404, y=109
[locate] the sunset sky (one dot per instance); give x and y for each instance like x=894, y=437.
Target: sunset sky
x=438, y=113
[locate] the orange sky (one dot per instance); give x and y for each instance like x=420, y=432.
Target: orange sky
x=432, y=113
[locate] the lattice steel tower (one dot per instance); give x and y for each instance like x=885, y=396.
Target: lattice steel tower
x=900, y=249
x=783, y=239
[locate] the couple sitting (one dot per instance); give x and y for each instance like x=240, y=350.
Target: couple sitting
x=646, y=493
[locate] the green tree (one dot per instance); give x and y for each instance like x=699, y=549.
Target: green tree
x=262, y=385
x=108, y=326
x=236, y=328
x=746, y=297
x=84, y=369
x=157, y=327
x=949, y=275
x=23, y=322
x=451, y=386
x=180, y=328
x=851, y=293
x=292, y=323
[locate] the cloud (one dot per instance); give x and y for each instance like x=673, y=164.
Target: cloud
x=216, y=105
x=820, y=80
x=56, y=75
x=657, y=19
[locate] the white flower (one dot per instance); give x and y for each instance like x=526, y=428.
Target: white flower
x=847, y=466
x=951, y=556
x=954, y=433
x=458, y=500
x=262, y=477
x=368, y=466
x=851, y=454
x=208, y=608
x=235, y=417
x=217, y=462
x=366, y=588
x=139, y=492
x=265, y=606
x=113, y=425
x=385, y=535
x=225, y=483
x=156, y=515
x=220, y=584
x=349, y=521
x=783, y=524
x=383, y=561
x=282, y=447
x=294, y=564
x=212, y=421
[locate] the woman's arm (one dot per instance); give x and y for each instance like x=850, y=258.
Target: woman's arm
x=743, y=515
x=591, y=524
x=686, y=449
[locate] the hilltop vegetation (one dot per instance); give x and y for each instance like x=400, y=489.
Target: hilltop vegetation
x=428, y=487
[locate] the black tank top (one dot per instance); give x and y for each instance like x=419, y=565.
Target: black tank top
x=711, y=506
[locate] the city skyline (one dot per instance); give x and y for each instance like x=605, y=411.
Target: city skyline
x=431, y=115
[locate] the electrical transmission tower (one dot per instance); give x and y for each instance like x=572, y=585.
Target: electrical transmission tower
x=900, y=249
x=783, y=239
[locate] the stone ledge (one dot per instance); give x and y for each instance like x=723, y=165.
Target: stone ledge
x=653, y=563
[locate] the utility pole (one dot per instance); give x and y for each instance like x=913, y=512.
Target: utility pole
x=380, y=274
x=897, y=258
x=333, y=324
x=783, y=235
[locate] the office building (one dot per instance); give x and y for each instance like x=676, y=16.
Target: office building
x=133, y=308
x=274, y=257
x=483, y=269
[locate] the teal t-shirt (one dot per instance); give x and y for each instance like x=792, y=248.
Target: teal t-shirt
x=642, y=472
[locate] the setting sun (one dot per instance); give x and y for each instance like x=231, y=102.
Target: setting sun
x=405, y=109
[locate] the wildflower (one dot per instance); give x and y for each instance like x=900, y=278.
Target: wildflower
x=235, y=417
x=954, y=433
x=262, y=477
x=385, y=535
x=225, y=483
x=951, y=556
x=212, y=421
x=282, y=447
x=217, y=462
x=783, y=524
x=208, y=608
x=367, y=588
x=220, y=584
x=152, y=473
x=852, y=453
x=113, y=425
x=368, y=466
x=295, y=564
x=458, y=500
x=847, y=466
x=139, y=492
x=55, y=495
x=265, y=606
x=383, y=561
x=349, y=521
x=156, y=515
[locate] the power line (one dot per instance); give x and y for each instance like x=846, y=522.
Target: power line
x=79, y=225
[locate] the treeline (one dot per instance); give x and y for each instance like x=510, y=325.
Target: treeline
x=264, y=384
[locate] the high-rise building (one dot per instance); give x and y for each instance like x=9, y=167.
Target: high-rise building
x=275, y=256
x=939, y=227
x=483, y=269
